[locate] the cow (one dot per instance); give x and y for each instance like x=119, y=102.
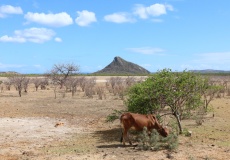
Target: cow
x=138, y=122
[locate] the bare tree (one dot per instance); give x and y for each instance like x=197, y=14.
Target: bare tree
x=82, y=83
x=44, y=83
x=74, y=86
x=89, y=87
x=115, y=81
x=1, y=86
x=19, y=81
x=130, y=81
x=101, y=92
x=60, y=72
x=8, y=84
x=25, y=84
x=71, y=83
x=36, y=81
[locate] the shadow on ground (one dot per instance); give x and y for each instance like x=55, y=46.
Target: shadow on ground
x=108, y=136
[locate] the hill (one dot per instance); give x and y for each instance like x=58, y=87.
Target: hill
x=8, y=73
x=209, y=71
x=121, y=66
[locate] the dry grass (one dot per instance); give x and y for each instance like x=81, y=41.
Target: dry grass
x=86, y=135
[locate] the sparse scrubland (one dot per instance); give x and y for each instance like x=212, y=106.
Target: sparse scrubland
x=48, y=120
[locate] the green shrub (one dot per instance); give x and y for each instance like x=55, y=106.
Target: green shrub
x=180, y=91
x=157, y=142
x=114, y=115
x=171, y=141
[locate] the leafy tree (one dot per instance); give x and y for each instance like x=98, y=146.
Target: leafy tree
x=180, y=91
x=210, y=93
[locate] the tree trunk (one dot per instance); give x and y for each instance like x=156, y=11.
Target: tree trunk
x=73, y=91
x=20, y=93
x=178, y=122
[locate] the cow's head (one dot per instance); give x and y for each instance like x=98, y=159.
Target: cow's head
x=163, y=131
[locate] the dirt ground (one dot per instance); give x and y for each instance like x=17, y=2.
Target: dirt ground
x=37, y=126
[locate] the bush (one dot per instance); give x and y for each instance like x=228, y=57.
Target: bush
x=114, y=115
x=199, y=118
x=157, y=142
x=187, y=133
x=89, y=91
x=180, y=91
x=101, y=92
x=171, y=142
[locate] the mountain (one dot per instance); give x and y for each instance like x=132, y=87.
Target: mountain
x=121, y=66
x=209, y=71
x=9, y=72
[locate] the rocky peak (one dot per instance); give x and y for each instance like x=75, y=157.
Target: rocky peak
x=121, y=66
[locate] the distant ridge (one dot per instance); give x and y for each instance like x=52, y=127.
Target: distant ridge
x=209, y=71
x=121, y=66
x=9, y=72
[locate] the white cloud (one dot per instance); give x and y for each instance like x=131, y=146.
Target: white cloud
x=213, y=58
x=54, y=20
x=36, y=35
x=146, y=50
x=197, y=67
x=119, y=18
x=4, y=66
x=8, y=9
x=154, y=10
x=6, y=38
x=57, y=39
x=85, y=18
x=140, y=10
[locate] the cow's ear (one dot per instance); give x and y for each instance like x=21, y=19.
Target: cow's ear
x=154, y=117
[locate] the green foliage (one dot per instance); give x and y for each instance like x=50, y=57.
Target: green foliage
x=199, y=117
x=157, y=142
x=186, y=132
x=210, y=93
x=174, y=126
x=181, y=91
x=171, y=141
x=114, y=115
x=144, y=140
x=139, y=99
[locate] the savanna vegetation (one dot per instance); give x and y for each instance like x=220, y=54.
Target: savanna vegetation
x=175, y=97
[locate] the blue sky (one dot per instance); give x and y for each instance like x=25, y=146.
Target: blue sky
x=155, y=34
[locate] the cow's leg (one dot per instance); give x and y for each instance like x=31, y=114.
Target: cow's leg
x=124, y=136
x=129, y=139
x=121, y=140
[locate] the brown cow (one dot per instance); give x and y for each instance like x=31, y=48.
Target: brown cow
x=138, y=122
